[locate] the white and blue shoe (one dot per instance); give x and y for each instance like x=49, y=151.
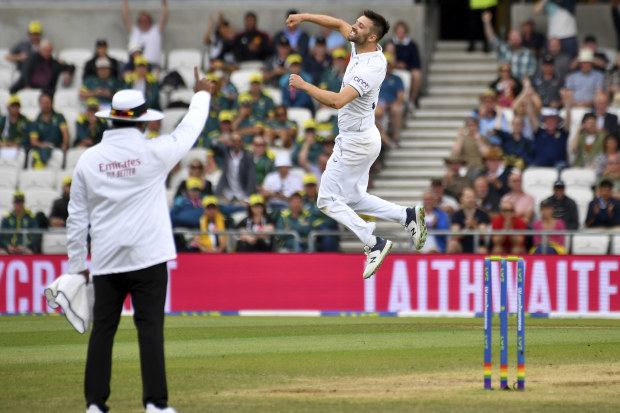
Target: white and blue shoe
x=416, y=225
x=376, y=255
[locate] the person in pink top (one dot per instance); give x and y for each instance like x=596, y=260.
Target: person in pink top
x=547, y=222
x=523, y=203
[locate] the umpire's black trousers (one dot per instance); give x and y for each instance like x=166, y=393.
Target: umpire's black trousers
x=147, y=288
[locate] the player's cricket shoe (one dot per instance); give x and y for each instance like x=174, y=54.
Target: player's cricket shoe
x=416, y=225
x=375, y=256
x=151, y=408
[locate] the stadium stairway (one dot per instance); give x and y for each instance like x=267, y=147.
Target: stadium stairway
x=455, y=80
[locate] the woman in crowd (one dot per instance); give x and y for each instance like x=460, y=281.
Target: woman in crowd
x=256, y=222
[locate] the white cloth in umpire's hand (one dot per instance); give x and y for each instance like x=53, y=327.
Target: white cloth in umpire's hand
x=76, y=298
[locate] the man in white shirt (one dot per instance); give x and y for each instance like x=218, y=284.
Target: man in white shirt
x=118, y=193
x=342, y=194
x=279, y=185
x=147, y=34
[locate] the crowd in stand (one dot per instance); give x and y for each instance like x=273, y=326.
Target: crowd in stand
x=255, y=168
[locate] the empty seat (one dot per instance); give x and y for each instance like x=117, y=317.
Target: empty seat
x=119, y=54
x=582, y=197
x=253, y=65
x=66, y=99
x=6, y=199
x=38, y=179
x=539, y=177
x=181, y=95
x=73, y=155
x=274, y=93
x=405, y=76
x=54, y=242
x=54, y=162
x=299, y=115
x=590, y=244
x=171, y=119
x=40, y=199
x=13, y=158
x=6, y=77
x=4, y=98
x=29, y=98
x=77, y=56
x=615, y=248
x=184, y=59
x=582, y=177
x=9, y=176
x=241, y=79
x=325, y=114
x=194, y=153
x=176, y=179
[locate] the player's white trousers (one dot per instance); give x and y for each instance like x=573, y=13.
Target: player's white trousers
x=342, y=194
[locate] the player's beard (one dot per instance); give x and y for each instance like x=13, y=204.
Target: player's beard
x=357, y=38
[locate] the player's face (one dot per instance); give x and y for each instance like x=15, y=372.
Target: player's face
x=360, y=30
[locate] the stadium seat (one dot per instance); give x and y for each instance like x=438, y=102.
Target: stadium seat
x=253, y=65
x=73, y=155
x=194, y=153
x=299, y=115
x=580, y=177
x=187, y=75
x=10, y=176
x=300, y=172
x=172, y=117
x=66, y=99
x=405, y=76
x=40, y=199
x=4, y=98
x=539, y=177
x=590, y=244
x=206, y=61
x=31, y=112
x=71, y=114
x=6, y=200
x=34, y=179
x=29, y=98
x=214, y=178
x=615, y=248
x=582, y=197
x=15, y=162
x=53, y=163
x=325, y=114
x=54, y=242
x=177, y=178
x=241, y=79
x=184, y=59
x=539, y=194
x=77, y=56
x=274, y=93
x=119, y=54
x=4, y=62
x=6, y=77
x=181, y=95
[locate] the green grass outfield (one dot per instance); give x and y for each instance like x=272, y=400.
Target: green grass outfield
x=322, y=364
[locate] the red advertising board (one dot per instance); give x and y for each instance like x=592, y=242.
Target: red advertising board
x=333, y=282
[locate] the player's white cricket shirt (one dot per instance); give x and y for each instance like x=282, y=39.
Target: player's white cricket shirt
x=365, y=72
x=118, y=188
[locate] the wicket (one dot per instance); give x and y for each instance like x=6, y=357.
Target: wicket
x=503, y=319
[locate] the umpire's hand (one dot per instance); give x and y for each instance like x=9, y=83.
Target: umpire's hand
x=201, y=84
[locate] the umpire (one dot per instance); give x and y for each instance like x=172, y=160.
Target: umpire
x=118, y=190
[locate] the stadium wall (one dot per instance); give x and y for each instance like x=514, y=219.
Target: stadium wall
x=575, y=286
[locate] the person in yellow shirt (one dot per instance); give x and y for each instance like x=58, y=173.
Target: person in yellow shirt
x=211, y=220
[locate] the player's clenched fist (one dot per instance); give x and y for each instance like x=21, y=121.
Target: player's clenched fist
x=293, y=20
x=296, y=81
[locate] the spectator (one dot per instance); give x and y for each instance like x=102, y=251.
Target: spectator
x=60, y=207
x=211, y=220
x=436, y=219
x=18, y=219
x=263, y=160
x=610, y=147
x=564, y=208
x=219, y=39
x=101, y=50
x=612, y=173
x=508, y=221
x=486, y=200
x=522, y=202
x=468, y=218
x=220, y=102
x=292, y=97
x=476, y=9
x=247, y=123
x=318, y=61
x=561, y=22
x=547, y=83
x=471, y=146
x=307, y=147
x=297, y=219
x=275, y=66
x=145, y=82
x=518, y=150
x=134, y=50
x=257, y=222
x=549, y=138
x=238, y=180
x=49, y=130
x=561, y=60
x=307, y=151
x=332, y=78
x=14, y=129
x=391, y=100
x=20, y=52
x=612, y=82
x=487, y=116
x=41, y=71
x=297, y=38
x=531, y=38
x=443, y=201
x=196, y=171
x=506, y=87
x=222, y=135
x=333, y=39
x=602, y=210
x=522, y=61
x=497, y=173
x=599, y=61
x=187, y=209
x=251, y=44
x=320, y=221
x=90, y=128
x=281, y=131
x=262, y=104
x=585, y=83
x=278, y=186
x=519, y=107
x=587, y=143
x=103, y=85
x=547, y=222
x=147, y=34
x=453, y=181
x=407, y=58
x=606, y=122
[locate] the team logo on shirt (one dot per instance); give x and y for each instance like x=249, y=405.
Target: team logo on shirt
x=361, y=81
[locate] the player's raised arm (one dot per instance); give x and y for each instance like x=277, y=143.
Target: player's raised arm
x=322, y=20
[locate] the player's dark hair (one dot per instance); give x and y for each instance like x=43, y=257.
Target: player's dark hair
x=380, y=25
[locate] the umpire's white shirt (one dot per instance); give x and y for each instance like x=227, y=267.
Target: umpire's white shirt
x=365, y=73
x=119, y=189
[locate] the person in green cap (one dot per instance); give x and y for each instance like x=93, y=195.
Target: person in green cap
x=19, y=218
